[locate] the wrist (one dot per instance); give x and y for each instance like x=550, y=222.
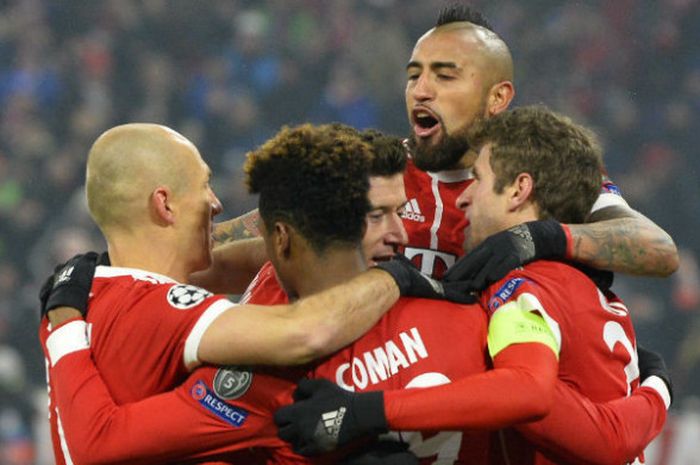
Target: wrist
x=370, y=409
x=569, y=254
x=550, y=239
x=61, y=315
x=569, y=250
x=398, y=274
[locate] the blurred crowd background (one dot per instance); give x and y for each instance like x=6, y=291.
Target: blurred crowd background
x=229, y=73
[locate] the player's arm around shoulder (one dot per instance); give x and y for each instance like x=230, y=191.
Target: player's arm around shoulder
x=618, y=238
x=297, y=333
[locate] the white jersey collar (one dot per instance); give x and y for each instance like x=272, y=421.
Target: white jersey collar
x=115, y=271
x=457, y=175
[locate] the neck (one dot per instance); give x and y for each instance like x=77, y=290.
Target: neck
x=334, y=267
x=526, y=212
x=157, y=256
x=467, y=160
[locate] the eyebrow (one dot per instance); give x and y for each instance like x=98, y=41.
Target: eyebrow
x=434, y=65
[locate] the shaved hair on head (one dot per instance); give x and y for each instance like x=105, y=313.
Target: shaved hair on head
x=495, y=51
x=127, y=163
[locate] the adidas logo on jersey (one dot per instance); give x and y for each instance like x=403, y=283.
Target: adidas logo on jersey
x=412, y=212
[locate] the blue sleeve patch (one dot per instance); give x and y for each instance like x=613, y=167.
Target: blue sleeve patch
x=505, y=292
x=235, y=416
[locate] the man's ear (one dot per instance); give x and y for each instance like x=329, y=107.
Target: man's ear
x=161, y=206
x=282, y=239
x=521, y=191
x=500, y=96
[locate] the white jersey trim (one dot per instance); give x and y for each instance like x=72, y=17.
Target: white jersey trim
x=115, y=271
x=607, y=199
x=435, y=227
x=449, y=176
x=69, y=338
x=195, y=337
x=658, y=385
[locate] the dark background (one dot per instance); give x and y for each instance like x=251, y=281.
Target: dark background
x=228, y=73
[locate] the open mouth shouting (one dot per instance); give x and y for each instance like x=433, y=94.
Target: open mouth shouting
x=425, y=122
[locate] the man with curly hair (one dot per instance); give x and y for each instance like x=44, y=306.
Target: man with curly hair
x=148, y=190
x=553, y=333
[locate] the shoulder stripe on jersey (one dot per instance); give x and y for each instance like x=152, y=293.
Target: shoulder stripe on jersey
x=62, y=438
x=67, y=339
x=195, y=336
x=606, y=199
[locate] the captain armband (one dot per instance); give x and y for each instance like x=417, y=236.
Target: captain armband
x=517, y=322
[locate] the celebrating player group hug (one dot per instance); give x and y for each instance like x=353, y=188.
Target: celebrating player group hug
x=443, y=299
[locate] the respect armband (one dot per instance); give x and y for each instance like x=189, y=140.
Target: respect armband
x=517, y=322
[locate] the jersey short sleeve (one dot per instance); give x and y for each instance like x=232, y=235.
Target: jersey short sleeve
x=146, y=329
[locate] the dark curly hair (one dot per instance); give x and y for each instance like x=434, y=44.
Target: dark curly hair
x=314, y=178
x=389, y=153
x=564, y=159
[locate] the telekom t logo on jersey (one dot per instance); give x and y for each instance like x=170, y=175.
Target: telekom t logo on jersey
x=431, y=262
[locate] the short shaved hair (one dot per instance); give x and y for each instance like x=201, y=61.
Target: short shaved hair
x=126, y=164
x=496, y=51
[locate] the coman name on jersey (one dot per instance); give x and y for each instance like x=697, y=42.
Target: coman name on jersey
x=382, y=362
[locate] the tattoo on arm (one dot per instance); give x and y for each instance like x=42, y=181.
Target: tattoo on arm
x=242, y=227
x=620, y=239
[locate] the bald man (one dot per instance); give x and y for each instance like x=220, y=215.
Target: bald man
x=148, y=190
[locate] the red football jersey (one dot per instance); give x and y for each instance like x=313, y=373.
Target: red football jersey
x=264, y=289
x=597, y=345
x=225, y=413
x=419, y=343
x=218, y=411
x=145, y=330
x=435, y=225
